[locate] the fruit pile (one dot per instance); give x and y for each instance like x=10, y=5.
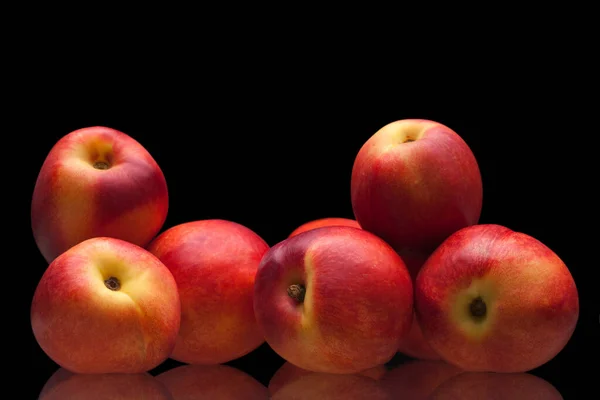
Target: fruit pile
x=414, y=272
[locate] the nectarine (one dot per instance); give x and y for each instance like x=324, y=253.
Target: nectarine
x=318, y=223
x=97, y=181
x=495, y=300
x=334, y=299
x=415, y=182
x=214, y=263
x=106, y=306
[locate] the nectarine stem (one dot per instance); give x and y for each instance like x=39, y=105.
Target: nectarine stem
x=478, y=307
x=101, y=165
x=297, y=292
x=112, y=283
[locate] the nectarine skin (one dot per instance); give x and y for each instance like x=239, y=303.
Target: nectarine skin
x=492, y=299
x=94, y=182
x=415, y=182
x=214, y=263
x=319, y=223
x=418, y=379
x=106, y=306
x=355, y=306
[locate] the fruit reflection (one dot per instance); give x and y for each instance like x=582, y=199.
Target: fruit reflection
x=288, y=373
x=212, y=382
x=320, y=385
x=496, y=386
x=65, y=385
x=416, y=380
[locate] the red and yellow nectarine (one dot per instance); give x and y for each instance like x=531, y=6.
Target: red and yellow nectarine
x=334, y=299
x=106, y=306
x=97, y=181
x=495, y=300
x=214, y=263
x=415, y=182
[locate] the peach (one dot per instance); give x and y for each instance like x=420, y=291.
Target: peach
x=214, y=263
x=288, y=372
x=65, y=385
x=490, y=299
x=96, y=182
x=414, y=182
x=106, y=306
x=318, y=223
x=334, y=299
x=489, y=385
x=211, y=382
x=319, y=385
x=417, y=380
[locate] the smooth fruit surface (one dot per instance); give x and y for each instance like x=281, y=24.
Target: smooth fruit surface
x=106, y=306
x=214, y=263
x=319, y=223
x=414, y=183
x=417, y=380
x=97, y=182
x=492, y=299
x=333, y=299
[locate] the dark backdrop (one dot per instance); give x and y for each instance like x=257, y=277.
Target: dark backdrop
x=274, y=150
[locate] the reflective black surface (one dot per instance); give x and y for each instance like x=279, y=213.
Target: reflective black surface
x=400, y=379
x=273, y=157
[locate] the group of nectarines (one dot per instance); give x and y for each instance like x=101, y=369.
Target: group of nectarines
x=413, y=272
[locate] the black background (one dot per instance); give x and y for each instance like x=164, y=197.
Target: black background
x=272, y=148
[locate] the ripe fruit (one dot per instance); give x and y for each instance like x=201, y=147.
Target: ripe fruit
x=318, y=223
x=96, y=182
x=414, y=183
x=106, y=306
x=333, y=299
x=211, y=382
x=491, y=299
x=214, y=263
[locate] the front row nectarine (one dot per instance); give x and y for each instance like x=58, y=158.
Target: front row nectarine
x=494, y=300
x=333, y=299
x=106, y=306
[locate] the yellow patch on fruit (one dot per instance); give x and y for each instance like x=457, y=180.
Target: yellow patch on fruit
x=400, y=132
x=461, y=311
x=94, y=150
x=73, y=202
x=307, y=305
